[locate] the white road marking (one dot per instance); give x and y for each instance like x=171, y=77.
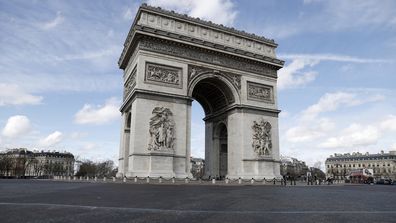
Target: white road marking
x=154, y=210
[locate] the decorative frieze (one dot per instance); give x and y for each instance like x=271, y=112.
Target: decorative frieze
x=262, y=142
x=239, y=40
x=162, y=130
x=163, y=75
x=207, y=56
x=130, y=83
x=260, y=92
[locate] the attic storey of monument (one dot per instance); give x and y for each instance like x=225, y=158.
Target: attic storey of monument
x=169, y=60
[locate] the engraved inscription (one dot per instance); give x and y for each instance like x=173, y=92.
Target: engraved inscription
x=163, y=75
x=260, y=92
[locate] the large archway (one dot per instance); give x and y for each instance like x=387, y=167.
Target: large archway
x=170, y=60
x=215, y=95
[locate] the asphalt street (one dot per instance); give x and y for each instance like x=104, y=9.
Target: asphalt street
x=56, y=201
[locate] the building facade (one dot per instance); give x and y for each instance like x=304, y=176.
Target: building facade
x=24, y=163
x=293, y=167
x=339, y=166
x=197, y=167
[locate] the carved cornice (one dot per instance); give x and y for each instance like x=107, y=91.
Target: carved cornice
x=207, y=23
x=207, y=56
x=169, y=24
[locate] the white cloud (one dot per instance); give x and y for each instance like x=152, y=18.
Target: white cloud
x=91, y=114
x=295, y=74
x=52, y=139
x=45, y=82
x=53, y=23
x=333, y=101
x=128, y=14
x=353, y=136
x=334, y=16
x=89, y=146
x=218, y=11
x=78, y=135
x=291, y=75
x=332, y=57
x=89, y=55
x=16, y=126
x=389, y=124
x=12, y=94
x=308, y=132
x=311, y=126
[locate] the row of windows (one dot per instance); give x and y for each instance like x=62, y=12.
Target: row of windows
x=363, y=158
x=375, y=171
x=354, y=165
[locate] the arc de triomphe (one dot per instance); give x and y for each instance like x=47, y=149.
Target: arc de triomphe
x=169, y=60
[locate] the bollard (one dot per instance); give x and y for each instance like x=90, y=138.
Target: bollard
x=104, y=178
x=124, y=179
x=213, y=181
x=136, y=179
x=87, y=178
x=114, y=179
x=239, y=180
x=160, y=179
x=80, y=177
x=186, y=180
x=96, y=178
x=274, y=180
x=173, y=180
x=226, y=180
x=148, y=179
x=74, y=178
x=252, y=181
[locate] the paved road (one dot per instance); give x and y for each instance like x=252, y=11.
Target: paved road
x=54, y=201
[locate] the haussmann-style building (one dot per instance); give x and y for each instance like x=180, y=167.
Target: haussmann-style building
x=383, y=165
x=22, y=162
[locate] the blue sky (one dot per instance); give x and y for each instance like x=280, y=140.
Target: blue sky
x=61, y=87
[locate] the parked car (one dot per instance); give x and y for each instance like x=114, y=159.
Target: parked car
x=384, y=181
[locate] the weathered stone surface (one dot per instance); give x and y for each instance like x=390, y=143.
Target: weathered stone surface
x=168, y=61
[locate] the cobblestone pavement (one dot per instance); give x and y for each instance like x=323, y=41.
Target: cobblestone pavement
x=59, y=201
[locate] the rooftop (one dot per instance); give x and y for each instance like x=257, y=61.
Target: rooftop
x=208, y=23
x=360, y=155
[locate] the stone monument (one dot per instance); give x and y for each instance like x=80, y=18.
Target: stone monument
x=169, y=60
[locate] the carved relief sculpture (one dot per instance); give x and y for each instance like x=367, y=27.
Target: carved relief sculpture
x=160, y=74
x=260, y=92
x=130, y=83
x=262, y=143
x=162, y=130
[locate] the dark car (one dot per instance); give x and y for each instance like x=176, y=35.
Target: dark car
x=384, y=181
